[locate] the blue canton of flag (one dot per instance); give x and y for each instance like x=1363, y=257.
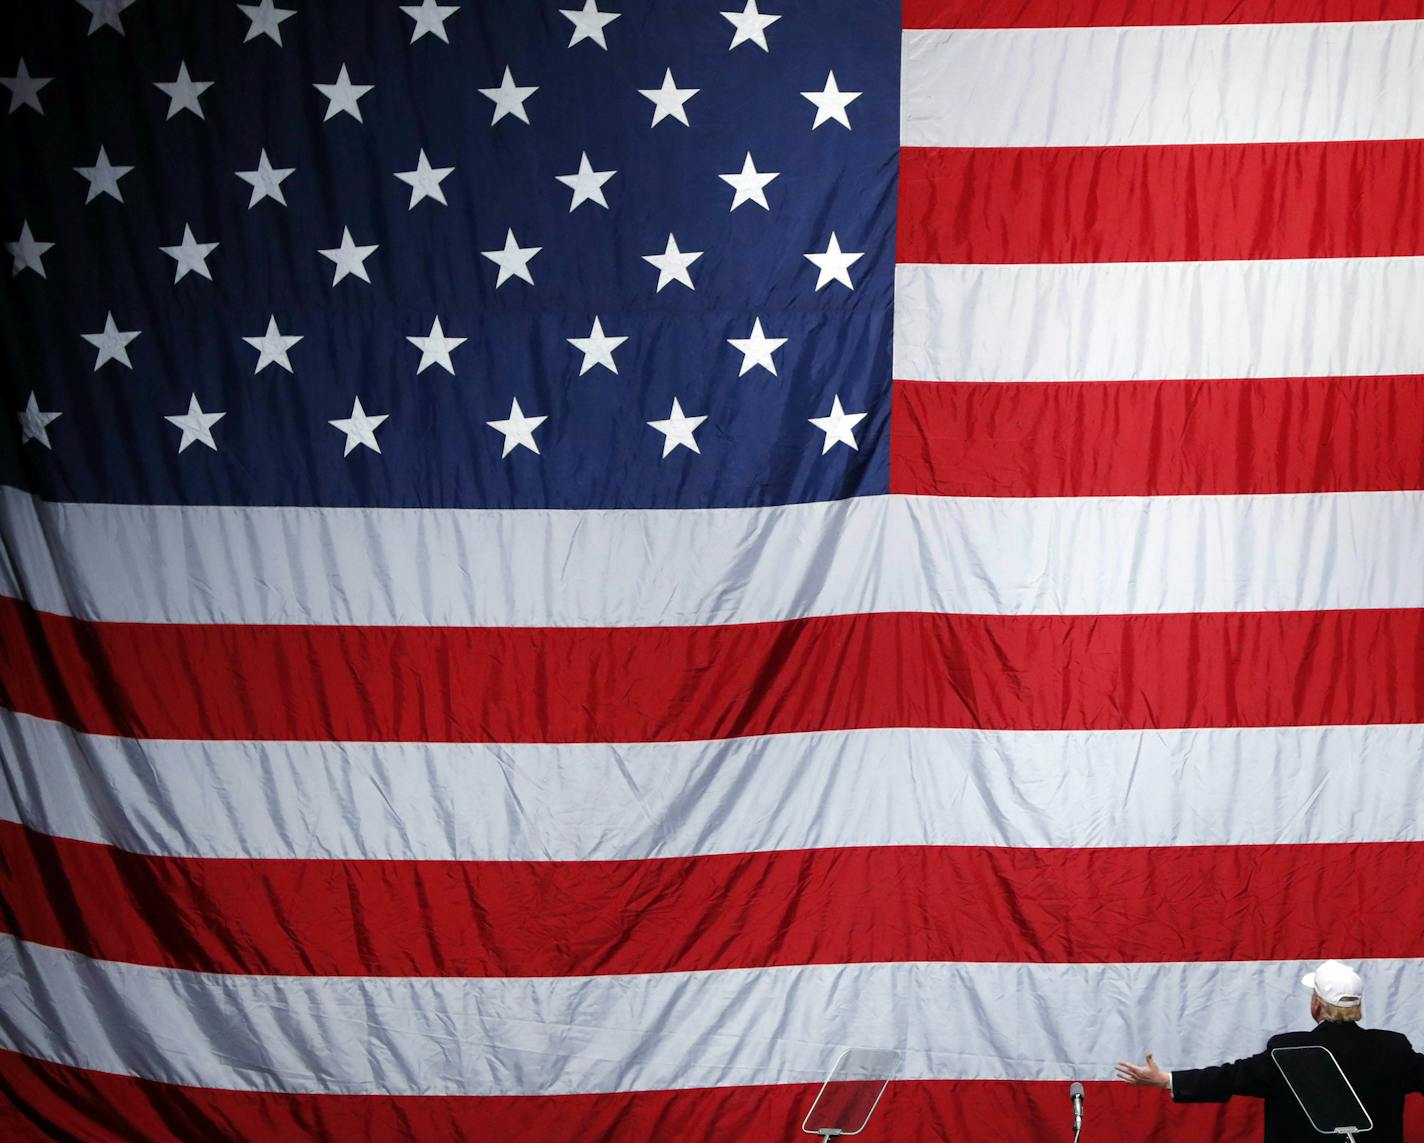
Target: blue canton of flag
x=499, y=255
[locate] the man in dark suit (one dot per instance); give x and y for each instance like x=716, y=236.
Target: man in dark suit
x=1381, y=1066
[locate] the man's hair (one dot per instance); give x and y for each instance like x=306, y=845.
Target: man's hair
x=1334, y=1014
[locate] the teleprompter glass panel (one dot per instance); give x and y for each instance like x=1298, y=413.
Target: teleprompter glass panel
x=1322, y=1089
x=851, y=1091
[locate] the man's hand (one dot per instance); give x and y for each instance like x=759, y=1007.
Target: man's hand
x=1150, y=1076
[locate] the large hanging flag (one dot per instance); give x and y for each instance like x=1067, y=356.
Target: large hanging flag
x=559, y=567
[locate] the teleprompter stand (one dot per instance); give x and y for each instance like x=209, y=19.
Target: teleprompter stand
x=1323, y=1091
x=850, y=1093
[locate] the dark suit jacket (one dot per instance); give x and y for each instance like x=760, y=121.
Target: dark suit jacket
x=1382, y=1067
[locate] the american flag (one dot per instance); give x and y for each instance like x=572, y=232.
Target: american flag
x=563, y=565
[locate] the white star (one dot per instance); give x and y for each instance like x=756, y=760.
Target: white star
x=349, y=258
x=597, y=348
x=25, y=88
x=672, y=264
x=668, y=100
x=430, y=18
x=435, y=349
x=272, y=346
x=343, y=95
x=27, y=252
x=103, y=177
x=589, y=23
x=831, y=102
x=197, y=425
x=834, y=265
x=587, y=184
x=508, y=99
x=112, y=343
x=266, y=180
x=756, y=349
x=513, y=260
x=678, y=429
x=424, y=181
x=34, y=423
x=750, y=26
x=517, y=429
x=837, y=427
x=183, y=93
x=105, y=14
x=359, y=428
x=749, y=184
x=191, y=256
x=266, y=20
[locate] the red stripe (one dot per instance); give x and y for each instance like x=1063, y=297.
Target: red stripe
x=1151, y=204
x=1124, y=13
x=1158, y=438
x=835, y=906
x=88, y=1105
x=1084, y=672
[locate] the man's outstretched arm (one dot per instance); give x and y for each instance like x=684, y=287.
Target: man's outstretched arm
x=1414, y=1074
x=1249, y=1076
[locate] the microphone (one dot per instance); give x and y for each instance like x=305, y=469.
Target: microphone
x=1076, y=1093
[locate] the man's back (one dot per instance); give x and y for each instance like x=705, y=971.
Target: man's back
x=1381, y=1066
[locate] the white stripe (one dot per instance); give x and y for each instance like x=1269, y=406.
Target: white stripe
x=436, y=801
x=1238, y=83
x=1100, y=555
x=1139, y=321
x=447, y=1036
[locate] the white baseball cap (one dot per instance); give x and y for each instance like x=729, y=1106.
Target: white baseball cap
x=1335, y=983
